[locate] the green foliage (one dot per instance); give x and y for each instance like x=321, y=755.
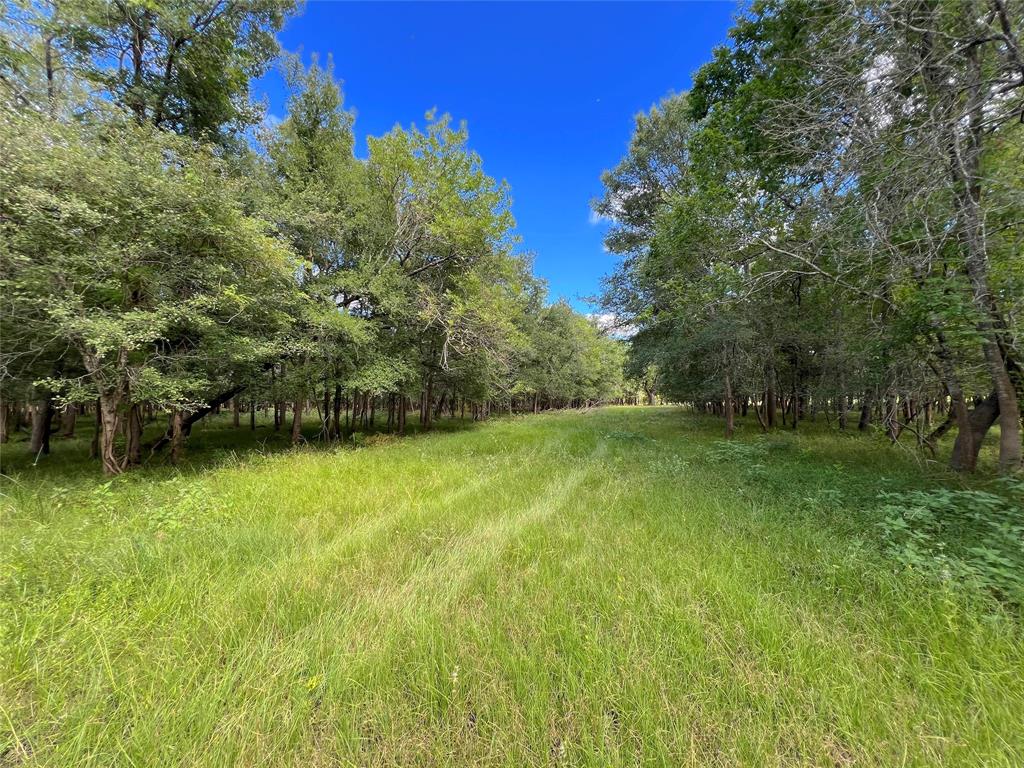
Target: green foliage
x=568, y=358
x=154, y=260
x=795, y=227
x=970, y=536
x=179, y=65
x=129, y=244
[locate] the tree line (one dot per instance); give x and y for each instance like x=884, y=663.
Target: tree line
x=830, y=223
x=169, y=252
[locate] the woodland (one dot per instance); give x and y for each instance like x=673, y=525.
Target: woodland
x=827, y=222
x=167, y=254
x=830, y=222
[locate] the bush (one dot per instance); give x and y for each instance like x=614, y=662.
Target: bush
x=969, y=537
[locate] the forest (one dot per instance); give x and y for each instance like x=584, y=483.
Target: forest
x=829, y=223
x=307, y=458
x=166, y=252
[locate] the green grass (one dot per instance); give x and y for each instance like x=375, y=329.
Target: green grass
x=599, y=589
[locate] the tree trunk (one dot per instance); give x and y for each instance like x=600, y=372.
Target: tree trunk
x=42, y=416
x=729, y=423
x=865, y=414
x=133, y=447
x=428, y=398
x=297, y=407
x=194, y=416
x=968, y=441
x=931, y=440
x=337, y=410
x=236, y=412
x=108, y=406
x=965, y=450
x=326, y=427
x=760, y=418
x=5, y=423
x=177, y=430
x=68, y=418
x=1010, y=455
x=843, y=400
x=965, y=167
x=891, y=418
x=94, y=445
x=252, y=415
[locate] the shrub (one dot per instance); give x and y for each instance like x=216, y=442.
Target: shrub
x=968, y=536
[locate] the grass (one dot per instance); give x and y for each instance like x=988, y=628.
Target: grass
x=611, y=588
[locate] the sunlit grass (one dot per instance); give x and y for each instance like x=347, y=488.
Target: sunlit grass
x=607, y=588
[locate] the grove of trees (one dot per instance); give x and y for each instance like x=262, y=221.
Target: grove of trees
x=829, y=224
x=167, y=253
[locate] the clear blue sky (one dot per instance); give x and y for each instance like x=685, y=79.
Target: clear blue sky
x=548, y=90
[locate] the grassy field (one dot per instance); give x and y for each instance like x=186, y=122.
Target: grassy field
x=611, y=588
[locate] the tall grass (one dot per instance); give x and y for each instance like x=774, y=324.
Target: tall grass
x=611, y=588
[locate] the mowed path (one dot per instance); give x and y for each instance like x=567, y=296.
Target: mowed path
x=569, y=589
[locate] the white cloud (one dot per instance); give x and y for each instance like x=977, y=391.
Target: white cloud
x=612, y=325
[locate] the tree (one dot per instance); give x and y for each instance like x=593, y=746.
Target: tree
x=128, y=243
x=183, y=66
x=843, y=174
x=153, y=260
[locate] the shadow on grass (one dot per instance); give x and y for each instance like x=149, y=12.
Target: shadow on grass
x=213, y=442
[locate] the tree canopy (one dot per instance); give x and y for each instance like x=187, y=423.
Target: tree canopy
x=830, y=220
x=827, y=223
x=165, y=250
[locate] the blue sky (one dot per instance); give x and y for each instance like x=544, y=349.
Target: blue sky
x=548, y=90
